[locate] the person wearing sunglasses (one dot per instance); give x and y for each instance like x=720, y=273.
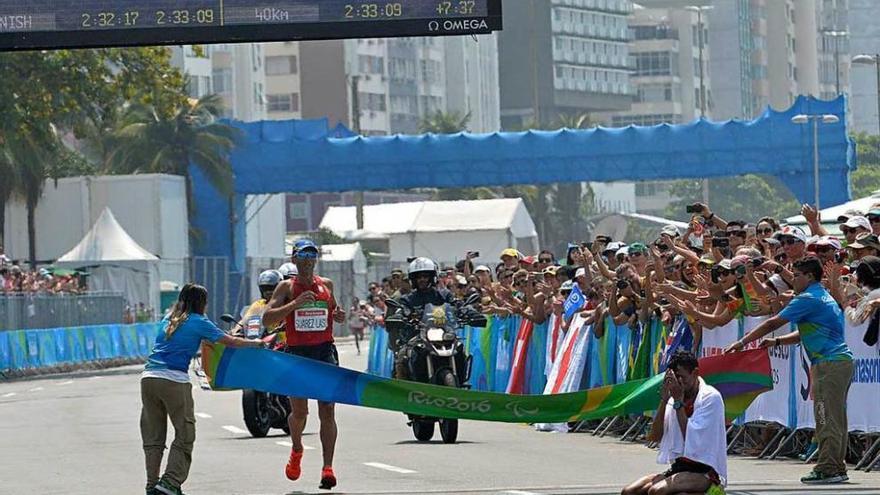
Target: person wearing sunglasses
x=865, y=245
x=854, y=226
x=825, y=248
x=794, y=242
x=820, y=330
x=308, y=308
x=736, y=234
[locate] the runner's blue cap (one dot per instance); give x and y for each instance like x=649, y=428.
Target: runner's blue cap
x=305, y=244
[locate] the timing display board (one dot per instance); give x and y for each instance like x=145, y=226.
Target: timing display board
x=46, y=24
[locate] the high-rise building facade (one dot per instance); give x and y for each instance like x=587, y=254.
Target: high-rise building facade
x=283, y=90
x=563, y=57
x=472, y=80
x=665, y=55
x=864, y=38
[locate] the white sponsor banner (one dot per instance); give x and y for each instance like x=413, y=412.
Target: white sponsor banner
x=775, y=405
x=803, y=384
x=863, y=401
x=716, y=339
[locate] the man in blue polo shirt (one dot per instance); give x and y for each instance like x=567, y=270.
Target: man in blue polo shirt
x=820, y=329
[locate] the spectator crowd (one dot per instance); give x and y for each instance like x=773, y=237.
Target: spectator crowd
x=710, y=273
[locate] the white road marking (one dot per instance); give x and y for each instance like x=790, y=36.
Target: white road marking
x=287, y=443
x=35, y=389
x=96, y=378
x=68, y=382
x=519, y=492
x=234, y=429
x=10, y=394
x=204, y=415
x=386, y=467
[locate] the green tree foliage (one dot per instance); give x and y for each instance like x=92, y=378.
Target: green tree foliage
x=866, y=179
x=746, y=197
x=444, y=123
x=53, y=98
x=150, y=140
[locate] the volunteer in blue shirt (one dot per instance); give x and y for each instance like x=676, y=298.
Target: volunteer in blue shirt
x=820, y=329
x=166, y=391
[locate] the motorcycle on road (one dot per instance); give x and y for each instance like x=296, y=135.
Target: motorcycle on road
x=433, y=353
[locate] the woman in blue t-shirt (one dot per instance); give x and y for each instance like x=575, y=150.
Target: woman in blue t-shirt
x=166, y=391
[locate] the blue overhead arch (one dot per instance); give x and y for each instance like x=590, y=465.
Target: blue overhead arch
x=308, y=156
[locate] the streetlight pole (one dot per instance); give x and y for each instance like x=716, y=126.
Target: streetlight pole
x=869, y=60
x=699, y=10
x=815, y=120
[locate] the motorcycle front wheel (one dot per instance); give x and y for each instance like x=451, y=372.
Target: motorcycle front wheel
x=256, y=412
x=423, y=429
x=448, y=427
x=449, y=430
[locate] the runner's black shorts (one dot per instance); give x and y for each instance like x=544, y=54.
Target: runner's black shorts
x=326, y=352
x=685, y=465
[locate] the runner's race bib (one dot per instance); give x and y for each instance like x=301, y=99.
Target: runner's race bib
x=312, y=317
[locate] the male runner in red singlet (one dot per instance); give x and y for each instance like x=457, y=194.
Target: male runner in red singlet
x=308, y=309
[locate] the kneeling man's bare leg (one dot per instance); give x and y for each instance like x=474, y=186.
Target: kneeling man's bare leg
x=681, y=483
x=642, y=485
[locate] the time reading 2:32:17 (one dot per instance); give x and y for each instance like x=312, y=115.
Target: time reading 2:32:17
x=160, y=18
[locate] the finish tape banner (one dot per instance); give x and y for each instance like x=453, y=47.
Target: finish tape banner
x=740, y=377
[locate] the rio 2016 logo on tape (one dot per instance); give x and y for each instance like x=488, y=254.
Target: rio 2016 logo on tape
x=458, y=25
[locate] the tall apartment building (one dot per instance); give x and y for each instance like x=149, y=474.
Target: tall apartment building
x=282, y=81
x=665, y=53
x=864, y=39
x=833, y=47
x=416, y=82
x=472, y=86
x=563, y=57
x=235, y=72
x=767, y=52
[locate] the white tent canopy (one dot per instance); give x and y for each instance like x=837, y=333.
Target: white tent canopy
x=115, y=262
x=441, y=230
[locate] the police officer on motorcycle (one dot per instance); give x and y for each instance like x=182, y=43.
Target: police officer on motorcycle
x=422, y=275
x=253, y=315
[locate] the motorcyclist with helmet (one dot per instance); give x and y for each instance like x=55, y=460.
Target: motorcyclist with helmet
x=252, y=317
x=422, y=274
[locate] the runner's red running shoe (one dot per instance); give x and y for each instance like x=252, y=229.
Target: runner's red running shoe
x=328, y=479
x=293, y=470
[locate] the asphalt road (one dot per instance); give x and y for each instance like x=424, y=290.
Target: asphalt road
x=78, y=434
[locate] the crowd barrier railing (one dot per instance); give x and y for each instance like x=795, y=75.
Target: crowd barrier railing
x=46, y=348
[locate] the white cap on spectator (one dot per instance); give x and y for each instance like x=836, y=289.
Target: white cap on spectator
x=482, y=268
x=796, y=232
x=849, y=213
x=858, y=221
x=614, y=246
x=670, y=230
x=624, y=251
x=581, y=272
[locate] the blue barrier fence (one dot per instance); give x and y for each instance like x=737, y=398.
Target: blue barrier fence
x=492, y=349
x=30, y=349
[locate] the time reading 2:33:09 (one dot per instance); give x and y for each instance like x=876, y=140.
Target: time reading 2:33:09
x=176, y=17
x=395, y=9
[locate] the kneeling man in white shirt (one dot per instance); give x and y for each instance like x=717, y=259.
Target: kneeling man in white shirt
x=689, y=424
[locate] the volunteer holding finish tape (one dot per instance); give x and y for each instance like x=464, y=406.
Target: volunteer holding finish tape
x=308, y=309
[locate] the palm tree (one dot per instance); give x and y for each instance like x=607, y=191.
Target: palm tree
x=9, y=185
x=444, y=123
x=150, y=141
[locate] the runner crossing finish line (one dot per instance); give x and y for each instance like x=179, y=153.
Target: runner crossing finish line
x=740, y=377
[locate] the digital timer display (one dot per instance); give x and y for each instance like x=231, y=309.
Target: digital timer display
x=89, y=23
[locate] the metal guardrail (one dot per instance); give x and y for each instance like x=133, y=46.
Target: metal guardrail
x=31, y=311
